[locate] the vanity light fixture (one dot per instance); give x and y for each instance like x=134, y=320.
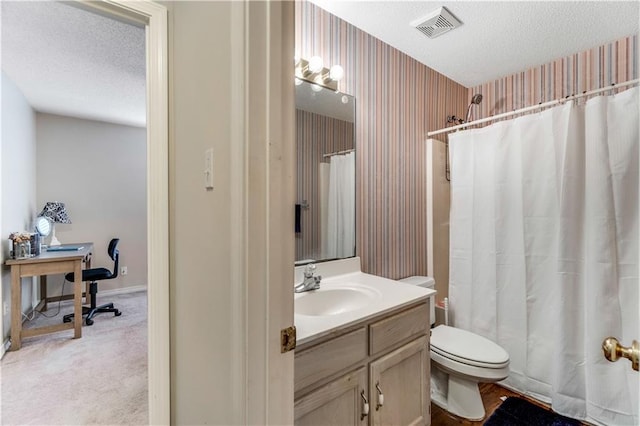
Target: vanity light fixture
x=315, y=65
x=315, y=72
x=335, y=74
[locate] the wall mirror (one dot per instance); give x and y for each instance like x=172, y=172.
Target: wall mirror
x=325, y=177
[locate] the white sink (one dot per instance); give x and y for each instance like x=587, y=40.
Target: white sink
x=334, y=300
x=346, y=295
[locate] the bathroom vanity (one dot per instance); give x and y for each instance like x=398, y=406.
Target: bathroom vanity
x=363, y=351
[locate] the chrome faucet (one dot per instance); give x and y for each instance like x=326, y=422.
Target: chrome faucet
x=311, y=281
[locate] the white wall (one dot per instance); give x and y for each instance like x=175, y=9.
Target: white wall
x=99, y=171
x=18, y=156
x=232, y=248
x=200, y=299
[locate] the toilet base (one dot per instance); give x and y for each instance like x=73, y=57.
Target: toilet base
x=464, y=399
x=456, y=395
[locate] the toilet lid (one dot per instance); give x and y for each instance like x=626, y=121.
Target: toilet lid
x=467, y=347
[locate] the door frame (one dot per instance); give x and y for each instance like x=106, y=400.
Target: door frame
x=269, y=170
x=154, y=18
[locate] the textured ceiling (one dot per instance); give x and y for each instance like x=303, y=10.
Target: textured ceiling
x=69, y=61
x=497, y=38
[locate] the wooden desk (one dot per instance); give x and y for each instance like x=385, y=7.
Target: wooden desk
x=60, y=262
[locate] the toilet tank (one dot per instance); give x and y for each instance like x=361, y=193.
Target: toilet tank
x=426, y=282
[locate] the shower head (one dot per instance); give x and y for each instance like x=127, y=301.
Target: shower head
x=475, y=100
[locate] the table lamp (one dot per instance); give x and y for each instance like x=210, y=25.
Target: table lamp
x=55, y=211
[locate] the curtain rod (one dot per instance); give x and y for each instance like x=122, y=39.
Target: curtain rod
x=346, y=151
x=532, y=108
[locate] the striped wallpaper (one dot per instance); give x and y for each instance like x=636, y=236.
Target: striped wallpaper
x=316, y=135
x=614, y=62
x=397, y=100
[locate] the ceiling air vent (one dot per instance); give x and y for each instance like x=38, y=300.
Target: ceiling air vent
x=437, y=23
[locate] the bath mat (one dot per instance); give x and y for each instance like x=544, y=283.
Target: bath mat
x=519, y=412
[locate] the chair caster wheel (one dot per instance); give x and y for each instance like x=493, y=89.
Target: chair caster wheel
x=66, y=319
x=89, y=321
x=118, y=313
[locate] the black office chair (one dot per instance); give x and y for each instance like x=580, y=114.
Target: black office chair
x=93, y=275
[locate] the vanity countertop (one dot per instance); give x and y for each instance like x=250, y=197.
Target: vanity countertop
x=384, y=295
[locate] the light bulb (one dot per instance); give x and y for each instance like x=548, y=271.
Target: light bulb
x=336, y=73
x=315, y=64
x=316, y=88
x=298, y=81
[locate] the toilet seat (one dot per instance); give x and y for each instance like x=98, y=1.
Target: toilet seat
x=467, y=348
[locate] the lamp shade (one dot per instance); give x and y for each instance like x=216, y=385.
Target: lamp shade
x=55, y=211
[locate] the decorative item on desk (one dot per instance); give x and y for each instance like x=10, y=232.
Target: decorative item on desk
x=42, y=226
x=21, y=245
x=57, y=213
x=35, y=244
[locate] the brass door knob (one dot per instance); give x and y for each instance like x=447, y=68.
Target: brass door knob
x=613, y=351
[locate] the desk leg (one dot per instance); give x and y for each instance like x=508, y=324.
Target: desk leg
x=43, y=291
x=87, y=295
x=77, y=299
x=16, y=308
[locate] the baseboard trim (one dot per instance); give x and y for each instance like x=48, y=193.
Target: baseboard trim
x=124, y=290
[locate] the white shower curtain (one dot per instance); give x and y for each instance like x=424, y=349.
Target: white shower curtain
x=544, y=250
x=341, y=215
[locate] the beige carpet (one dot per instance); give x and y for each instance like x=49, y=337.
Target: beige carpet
x=100, y=379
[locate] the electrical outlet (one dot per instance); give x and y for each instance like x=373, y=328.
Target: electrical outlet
x=123, y=270
x=5, y=308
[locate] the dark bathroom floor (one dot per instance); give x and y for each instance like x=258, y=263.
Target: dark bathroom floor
x=491, y=394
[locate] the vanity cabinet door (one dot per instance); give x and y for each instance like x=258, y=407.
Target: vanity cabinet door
x=340, y=402
x=399, y=386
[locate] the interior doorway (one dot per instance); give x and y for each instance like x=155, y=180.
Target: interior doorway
x=153, y=18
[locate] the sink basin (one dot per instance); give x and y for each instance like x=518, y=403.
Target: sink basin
x=334, y=300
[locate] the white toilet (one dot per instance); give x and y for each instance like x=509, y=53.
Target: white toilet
x=460, y=360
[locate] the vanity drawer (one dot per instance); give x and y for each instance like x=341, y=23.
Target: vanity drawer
x=326, y=359
x=389, y=331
